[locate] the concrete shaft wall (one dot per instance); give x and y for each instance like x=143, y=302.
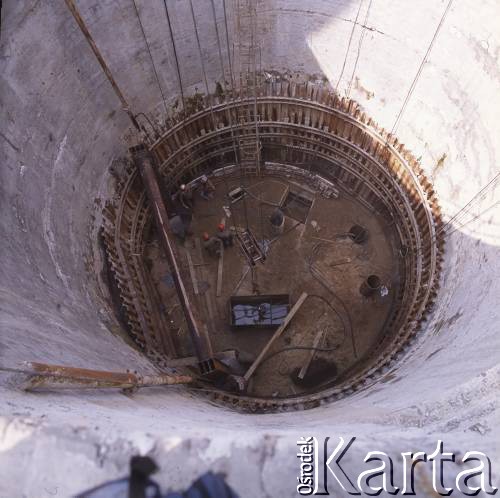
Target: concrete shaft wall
x=62, y=126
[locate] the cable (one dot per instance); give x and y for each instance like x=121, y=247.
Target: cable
x=473, y=219
x=228, y=48
x=175, y=56
x=490, y=185
x=209, y=95
x=424, y=60
x=443, y=232
x=312, y=269
x=349, y=45
x=150, y=56
x=221, y=60
x=363, y=33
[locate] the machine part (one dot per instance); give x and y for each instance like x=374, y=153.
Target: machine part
x=370, y=286
x=267, y=311
x=275, y=336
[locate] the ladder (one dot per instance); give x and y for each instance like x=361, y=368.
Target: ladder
x=249, y=145
x=250, y=247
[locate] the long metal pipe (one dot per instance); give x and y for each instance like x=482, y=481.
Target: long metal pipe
x=42, y=375
x=143, y=160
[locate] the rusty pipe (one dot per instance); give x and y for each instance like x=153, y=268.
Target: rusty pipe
x=44, y=375
x=199, y=337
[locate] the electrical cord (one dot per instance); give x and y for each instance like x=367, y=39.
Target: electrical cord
x=312, y=270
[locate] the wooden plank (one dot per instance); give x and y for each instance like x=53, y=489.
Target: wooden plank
x=192, y=273
x=311, y=354
x=219, y=271
x=208, y=303
x=275, y=336
x=238, y=285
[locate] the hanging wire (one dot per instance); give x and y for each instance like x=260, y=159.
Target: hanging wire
x=202, y=62
x=150, y=56
x=422, y=64
x=221, y=60
x=363, y=33
x=444, y=232
x=491, y=185
x=473, y=219
x=231, y=74
x=179, y=78
x=349, y=45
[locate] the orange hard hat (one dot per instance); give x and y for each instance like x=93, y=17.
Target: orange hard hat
x=221, y=227
x=205, y=236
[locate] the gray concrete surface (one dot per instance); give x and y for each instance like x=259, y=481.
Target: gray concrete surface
x=62, y=127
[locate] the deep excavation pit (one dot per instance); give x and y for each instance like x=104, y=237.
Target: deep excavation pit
x=359, y=237
x=405, y=311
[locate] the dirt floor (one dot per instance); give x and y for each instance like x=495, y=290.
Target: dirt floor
x=314, y=256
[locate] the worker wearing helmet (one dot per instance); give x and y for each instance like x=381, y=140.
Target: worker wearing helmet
x=185, y=196
x=212, y=245
x=224, y=235
x=207, y=189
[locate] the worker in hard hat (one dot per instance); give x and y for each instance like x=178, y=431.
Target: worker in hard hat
x=207, y=188
x=212, y=245
x=185, y=196
x=225, y=235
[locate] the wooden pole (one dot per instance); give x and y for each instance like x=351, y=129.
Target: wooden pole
x=275, y=336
